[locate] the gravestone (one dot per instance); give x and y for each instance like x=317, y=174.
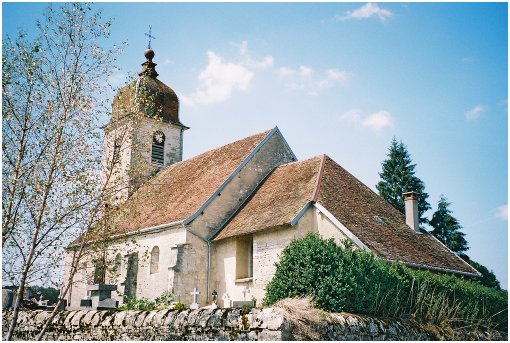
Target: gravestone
x=226, y=300
x=7, y=298
x=194, y=305
x=100, y=297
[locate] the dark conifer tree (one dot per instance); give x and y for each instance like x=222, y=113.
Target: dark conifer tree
x=447, y=228
x=397, y=177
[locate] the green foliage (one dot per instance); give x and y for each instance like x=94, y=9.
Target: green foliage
x=488, y=278
x=165, y=298
x=447, y=228
x=180, y=306
x=342, y=279
x=144, y=304
x=48, y=293
x=397, y=177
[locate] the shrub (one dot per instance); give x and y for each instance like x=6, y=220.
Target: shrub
x=144, y=304
x=180, y=306
x=340, y=278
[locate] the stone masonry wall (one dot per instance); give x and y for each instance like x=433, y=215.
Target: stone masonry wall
x=217, y=324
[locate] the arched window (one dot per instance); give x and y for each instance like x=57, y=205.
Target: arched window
x=154, y=260
x=158, y=148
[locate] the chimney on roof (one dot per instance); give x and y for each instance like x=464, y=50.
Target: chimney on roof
x=412, y=217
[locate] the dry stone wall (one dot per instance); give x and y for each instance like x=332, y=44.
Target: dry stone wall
x=215, y=324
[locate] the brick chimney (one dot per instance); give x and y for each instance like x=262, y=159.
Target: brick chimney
x=412, y=216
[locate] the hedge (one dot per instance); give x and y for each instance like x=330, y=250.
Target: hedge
x=341, y=278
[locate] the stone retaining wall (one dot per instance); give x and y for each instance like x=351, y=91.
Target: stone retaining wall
x=218, y=324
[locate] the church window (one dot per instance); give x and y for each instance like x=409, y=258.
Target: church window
x=116, y=151
x=154, y=260
x=244, y=257
x=158, y=148
x=99, y=271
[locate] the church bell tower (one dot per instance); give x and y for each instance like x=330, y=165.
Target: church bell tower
x=143, y=135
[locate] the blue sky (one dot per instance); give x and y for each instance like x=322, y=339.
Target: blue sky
x=341, y=79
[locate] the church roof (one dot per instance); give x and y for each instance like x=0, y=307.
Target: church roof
x=179, y=190
x=377, y=224
x=280, y=198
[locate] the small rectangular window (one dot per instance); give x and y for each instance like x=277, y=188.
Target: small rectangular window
x=244, y=257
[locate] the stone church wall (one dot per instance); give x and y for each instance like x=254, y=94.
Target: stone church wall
x=148, y=285
x=267, y=248
x=271, y=154
x=223, y=324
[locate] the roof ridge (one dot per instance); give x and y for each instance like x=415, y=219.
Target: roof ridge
x=265, y=136
x=315, y=192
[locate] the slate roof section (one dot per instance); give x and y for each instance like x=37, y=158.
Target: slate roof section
x=355, y=205
x=277, y=201
x=179, y=190
x=291, y=186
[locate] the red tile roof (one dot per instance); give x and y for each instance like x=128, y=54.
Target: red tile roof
x=355, y=206
x=291, y=186
x=280, y=198
x=179, y=190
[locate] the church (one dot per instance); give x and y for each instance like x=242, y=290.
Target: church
x=220, y=220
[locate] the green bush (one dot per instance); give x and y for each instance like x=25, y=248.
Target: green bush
x=144, y=304
x=340, y=278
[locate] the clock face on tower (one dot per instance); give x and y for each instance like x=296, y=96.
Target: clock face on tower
x=159, y=137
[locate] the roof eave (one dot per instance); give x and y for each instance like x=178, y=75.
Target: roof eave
x=438, y=269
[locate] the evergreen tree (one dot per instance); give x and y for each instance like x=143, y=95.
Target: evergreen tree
x=488, y=278
x=447, y=228
x=397, y=177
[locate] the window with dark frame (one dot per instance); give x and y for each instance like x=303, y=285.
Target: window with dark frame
x=158, y=148
x=116, y=152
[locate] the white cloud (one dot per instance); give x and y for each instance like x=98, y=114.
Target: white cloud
x=220, y=79
x=117, y=79
x=285, y=72
x=353, y=115
x=167, y=61
x=367, y=11
x=467, y=59
x=265, y=62
x=502, y=212
x=306, y=78
x=475, y=112
x=376, y=121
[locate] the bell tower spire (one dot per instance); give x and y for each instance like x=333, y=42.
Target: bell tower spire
x=144, y=133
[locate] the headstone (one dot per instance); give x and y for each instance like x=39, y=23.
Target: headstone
x=245, y=290
x=226, y=300
x=194, y=305
x=100, y=297
x=7, y=298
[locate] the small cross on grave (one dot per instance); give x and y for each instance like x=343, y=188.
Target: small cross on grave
x=226, y=300
x=194, y=305
x=245, y=290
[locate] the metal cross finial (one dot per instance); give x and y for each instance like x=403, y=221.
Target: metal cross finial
x=150, y=36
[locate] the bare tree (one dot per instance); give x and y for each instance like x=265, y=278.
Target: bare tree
x=53, y=90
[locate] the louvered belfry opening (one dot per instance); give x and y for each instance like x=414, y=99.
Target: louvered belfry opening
x=158, y=148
